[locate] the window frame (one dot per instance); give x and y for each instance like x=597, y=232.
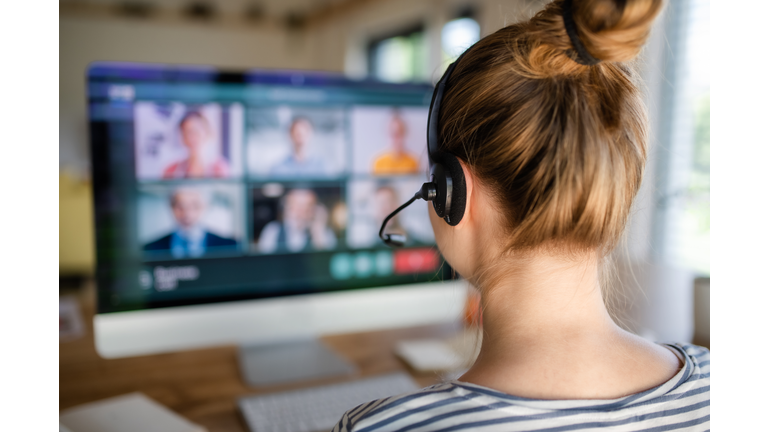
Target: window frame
x=374, y=42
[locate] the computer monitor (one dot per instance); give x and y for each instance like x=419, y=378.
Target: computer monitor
x=244, y=207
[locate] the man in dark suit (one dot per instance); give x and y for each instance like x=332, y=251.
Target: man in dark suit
x=190, y=239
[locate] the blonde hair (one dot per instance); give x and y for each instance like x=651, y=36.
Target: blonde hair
x=560, y=145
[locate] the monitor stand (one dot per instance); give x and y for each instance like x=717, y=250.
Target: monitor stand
x=285, y=362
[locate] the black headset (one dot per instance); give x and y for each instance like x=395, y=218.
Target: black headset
x=446, y=187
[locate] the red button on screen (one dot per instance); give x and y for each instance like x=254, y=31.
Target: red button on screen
x=415, y=261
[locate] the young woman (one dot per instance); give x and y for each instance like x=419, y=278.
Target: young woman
x=203, y=160
x=548, y=124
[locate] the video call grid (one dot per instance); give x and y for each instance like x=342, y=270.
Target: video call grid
x=347, y=178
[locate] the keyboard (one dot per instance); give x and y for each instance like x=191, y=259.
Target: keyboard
x=318, y=408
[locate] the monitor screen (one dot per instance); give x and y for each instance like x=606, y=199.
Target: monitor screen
x=214, y=186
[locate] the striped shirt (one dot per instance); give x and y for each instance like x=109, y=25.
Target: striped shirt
x=680, y=404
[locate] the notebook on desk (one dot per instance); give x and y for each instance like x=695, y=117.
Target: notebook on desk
x=127, y=413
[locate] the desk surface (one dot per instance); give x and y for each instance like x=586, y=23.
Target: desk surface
x=203, y=385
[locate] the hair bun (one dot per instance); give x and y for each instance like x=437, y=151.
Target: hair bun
x=614, y=30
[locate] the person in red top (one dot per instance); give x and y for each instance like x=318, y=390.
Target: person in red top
x=196, y=137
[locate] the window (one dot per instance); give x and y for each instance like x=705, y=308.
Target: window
x=404, y=56
x=458, y=35
x=399, y=58
x=682, y=196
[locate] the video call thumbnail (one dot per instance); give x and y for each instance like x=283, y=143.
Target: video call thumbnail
x=389, y=141
x=291, y=218
x=295, y=142
x=190, y=221
x=371, y=200
x=178, y=141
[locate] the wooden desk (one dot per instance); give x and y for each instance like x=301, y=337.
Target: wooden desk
x=202, y=385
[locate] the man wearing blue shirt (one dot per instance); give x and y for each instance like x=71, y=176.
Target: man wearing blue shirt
x=300, y=163
x=190, y=239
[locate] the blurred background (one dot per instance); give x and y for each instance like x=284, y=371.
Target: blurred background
x=662, y=270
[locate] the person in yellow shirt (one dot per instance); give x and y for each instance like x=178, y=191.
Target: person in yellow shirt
x=397, y=160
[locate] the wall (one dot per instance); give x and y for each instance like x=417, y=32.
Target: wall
x=83, y=40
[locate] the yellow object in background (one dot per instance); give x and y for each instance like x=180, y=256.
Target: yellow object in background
x=76, y=242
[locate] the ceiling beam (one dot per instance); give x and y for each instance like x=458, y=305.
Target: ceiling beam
x=147, y=12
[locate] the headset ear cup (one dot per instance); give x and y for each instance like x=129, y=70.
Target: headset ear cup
x=459, y=193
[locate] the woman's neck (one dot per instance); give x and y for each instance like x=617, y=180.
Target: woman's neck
x=547, y=334
x=540, y=301
x=544, y=294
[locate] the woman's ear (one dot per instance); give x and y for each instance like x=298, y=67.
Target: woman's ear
x=469, y=182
